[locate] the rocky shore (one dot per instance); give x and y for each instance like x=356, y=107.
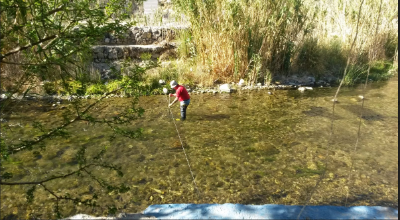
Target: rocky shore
x=288, y=83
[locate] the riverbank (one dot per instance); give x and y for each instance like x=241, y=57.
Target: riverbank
x=293, y=82
x=223, y=88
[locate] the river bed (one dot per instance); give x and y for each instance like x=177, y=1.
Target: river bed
x=248, y=147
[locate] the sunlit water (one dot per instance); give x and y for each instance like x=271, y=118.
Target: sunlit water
x=248, y=148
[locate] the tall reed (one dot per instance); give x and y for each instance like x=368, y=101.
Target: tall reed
x=251, y=38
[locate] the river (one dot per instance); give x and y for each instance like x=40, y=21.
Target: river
x=245, y=147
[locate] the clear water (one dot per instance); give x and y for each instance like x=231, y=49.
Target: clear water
x=248, y=148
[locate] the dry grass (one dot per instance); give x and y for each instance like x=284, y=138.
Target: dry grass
x=251, y=38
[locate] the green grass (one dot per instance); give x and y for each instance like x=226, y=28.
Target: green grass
x=379, y=71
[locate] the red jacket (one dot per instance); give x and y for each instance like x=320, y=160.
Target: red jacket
x=181, y=93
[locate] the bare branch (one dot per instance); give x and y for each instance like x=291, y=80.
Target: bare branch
x=18, y=49
x=49, y=134
x=47, y=180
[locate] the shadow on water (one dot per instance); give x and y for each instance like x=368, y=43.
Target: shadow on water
x=368, y=114
x=320, y=111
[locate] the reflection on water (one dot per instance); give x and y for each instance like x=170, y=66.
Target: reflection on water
x=249, y=148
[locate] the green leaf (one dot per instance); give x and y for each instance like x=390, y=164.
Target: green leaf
x=6, y=175
x=29, y=194
x=112, y=210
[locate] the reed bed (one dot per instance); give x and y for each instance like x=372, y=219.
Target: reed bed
x=257, y=39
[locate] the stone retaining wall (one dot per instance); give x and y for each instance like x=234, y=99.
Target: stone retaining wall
x=133, y=44
x=143, y=36
x=105, y=53
x=106, y=57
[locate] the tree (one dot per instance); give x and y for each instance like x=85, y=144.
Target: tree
x=51, y=40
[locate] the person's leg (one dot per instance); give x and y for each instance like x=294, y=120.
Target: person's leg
x=183, y=111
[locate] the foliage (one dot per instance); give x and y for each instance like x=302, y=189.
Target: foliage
x=145, y=56
x=354, y=74
x=94, y=89
x=379, y=71
x=186, y=48
x=317, y=59
x=183, y=71
x=50, y=88
x=51, y=41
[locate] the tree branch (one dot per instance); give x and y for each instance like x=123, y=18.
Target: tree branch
x=18, y=49
x=49, y=134
x=47, y=180
x=55, y=10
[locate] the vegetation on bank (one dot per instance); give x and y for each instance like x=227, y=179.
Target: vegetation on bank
x=229, y=40
x=258, y=39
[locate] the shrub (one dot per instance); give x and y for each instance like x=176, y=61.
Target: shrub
x=113, y=85
x=50, y=88
x=96, y=89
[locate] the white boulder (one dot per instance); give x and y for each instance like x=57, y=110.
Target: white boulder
x=302, y=89
x=225, y=88
x=241, y=82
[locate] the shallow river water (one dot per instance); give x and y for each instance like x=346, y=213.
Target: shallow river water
x=246, y=147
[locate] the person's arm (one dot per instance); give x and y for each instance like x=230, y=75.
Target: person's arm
x=173, y=102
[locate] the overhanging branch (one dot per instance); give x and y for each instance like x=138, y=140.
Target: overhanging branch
x=18, y=49
x=49, y=179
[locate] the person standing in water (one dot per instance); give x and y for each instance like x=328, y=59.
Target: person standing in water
x=182, y=95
